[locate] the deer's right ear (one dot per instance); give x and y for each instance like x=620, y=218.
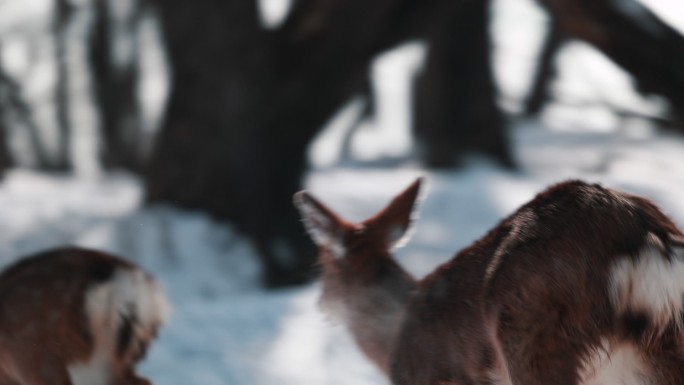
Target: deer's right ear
x=324, y=226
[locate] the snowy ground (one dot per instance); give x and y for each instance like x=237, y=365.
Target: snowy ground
x=225, y=330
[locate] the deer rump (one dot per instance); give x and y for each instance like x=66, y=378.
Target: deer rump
x=76, y=317
x=582, y=285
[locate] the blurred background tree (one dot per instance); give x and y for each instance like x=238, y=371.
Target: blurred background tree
x=628, y=33
x=246, y=98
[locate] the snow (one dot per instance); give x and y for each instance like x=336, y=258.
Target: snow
x=225, y=329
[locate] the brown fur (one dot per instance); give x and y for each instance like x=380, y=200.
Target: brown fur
x=528, y=303
x=44, y=326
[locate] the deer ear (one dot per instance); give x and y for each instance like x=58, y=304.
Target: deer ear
x=396, y=220
x=323, y=225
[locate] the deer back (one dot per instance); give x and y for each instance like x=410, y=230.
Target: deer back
x=581, y=285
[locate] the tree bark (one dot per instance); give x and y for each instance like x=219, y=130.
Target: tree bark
x=116, y=81
x=61, y=159
x=213, y=153
x=245, y=104
x=5, y=158
x=455, y=100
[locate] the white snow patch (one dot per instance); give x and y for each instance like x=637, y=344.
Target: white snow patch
x=273, y=12
x=324, y=354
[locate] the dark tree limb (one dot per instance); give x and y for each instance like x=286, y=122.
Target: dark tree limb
x=634, y=38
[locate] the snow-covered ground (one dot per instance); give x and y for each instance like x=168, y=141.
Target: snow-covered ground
x=225, y=329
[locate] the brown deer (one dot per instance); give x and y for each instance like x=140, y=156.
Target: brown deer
x=76, y=317
x=582, y=285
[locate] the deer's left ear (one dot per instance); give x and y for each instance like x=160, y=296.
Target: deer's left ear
x=396, y=220
x=324, y=227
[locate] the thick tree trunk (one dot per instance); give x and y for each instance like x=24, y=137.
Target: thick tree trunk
x=634, y=38
x=245, y=104
x=222, y=148
x=455, y=100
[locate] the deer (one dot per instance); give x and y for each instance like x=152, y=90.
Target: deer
x=582, y=285
x=74, y=316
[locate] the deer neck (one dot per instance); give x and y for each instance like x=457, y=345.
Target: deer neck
x=371, y=301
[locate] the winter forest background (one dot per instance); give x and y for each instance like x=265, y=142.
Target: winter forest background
x=175, y=133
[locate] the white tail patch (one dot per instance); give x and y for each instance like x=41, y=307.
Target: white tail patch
x=129, y=295
x=615, y=363
x=650, y=283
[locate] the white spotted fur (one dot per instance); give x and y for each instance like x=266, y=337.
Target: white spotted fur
x=107, y=305
x=650, y=283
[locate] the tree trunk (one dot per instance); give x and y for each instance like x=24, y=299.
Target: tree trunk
x=455, y=100
x=63, y=14
x=634, y=38
x=15, y=112
x=245, y=104
x=214, y=152
x=116, y=81
x=545, y=72
x=5, y=158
